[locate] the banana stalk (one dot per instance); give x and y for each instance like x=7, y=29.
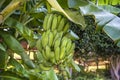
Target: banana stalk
x=13, y=5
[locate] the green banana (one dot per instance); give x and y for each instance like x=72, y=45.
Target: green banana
x=64, y=41
x=51, y=38
x=71, y=51
x=57, y=53
x=59, y=18
x=44, y=55
x=39, y=45
x=57, y=43
x=68, y=46
x=43, y=67
x=62, y=53
x=52, y=57
x=54, y=22
x=66, y=27
x=45, y=39
x=61, y=25
x=50, y=20
x=48, y=52
x=45, y=21
x=54, y=33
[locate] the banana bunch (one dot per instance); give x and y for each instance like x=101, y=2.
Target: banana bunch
x=55, y=47
x=56, y=22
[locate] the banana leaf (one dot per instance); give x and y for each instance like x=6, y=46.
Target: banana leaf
x=3, y=59
x=2, y=47
x=73, y=16
x=106, y=2
x=110, y=9
x=26, y=32
x=17, y=65
x=9, y=75
x=110, y=23
x=16, y=47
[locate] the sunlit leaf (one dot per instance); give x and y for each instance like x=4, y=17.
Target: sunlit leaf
x=69, y=14
x=77, y=3
x=105, y=20
x=16, y=47
x=51, y=75
x=11, y=76
x=75, y=66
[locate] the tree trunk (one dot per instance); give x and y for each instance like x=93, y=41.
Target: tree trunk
x=115, y=67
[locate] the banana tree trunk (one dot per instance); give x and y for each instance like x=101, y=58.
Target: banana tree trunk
x=115, y=67
x=9, y=9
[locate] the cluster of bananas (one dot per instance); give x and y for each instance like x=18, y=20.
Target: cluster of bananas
x=53, y=45
x=56, y=22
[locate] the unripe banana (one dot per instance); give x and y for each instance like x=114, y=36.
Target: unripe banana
x=52, y=59
x=49, y=23
x=45, y=21
x=57, y=43
x=48, y=52
x=54, y=33
x=57, y=53
x=51, y=38
x=44, y=55
x=66, y=27
x=64, y=42
x=39, y=45
x=45, y=40
x=54, y=22
x=61, y=25
x=71, y=51
x=62, y=53
x=44, y=68
x=68, y=46
x=59, y=18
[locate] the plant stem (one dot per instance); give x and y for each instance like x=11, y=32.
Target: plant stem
x=7, y=11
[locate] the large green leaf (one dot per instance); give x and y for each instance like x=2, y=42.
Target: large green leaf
x=51, y=75
x=77, y=3
x=75, y=66
x=71, y=15
x=2, y=47
x=17, y=65
x=110, y=9
x=16, y=47
x=3, y=59
x=8, y=75
x=26, y=32
x=106, y=2
x=110, y=22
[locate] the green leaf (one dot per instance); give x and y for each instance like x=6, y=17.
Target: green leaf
x=17, y=65
x=51, y=75
x=2, y=47
x=1, y=3
x=75, y=66
x=71, y=15
x=16, y=47
x=11, y=76
x=63, y=3
x=118, y=44
x=105, y=20
x=106, y=2
x=71, y=35
x=110, y=9
x=25, y=31
x=77, y=3
x=3, y=59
